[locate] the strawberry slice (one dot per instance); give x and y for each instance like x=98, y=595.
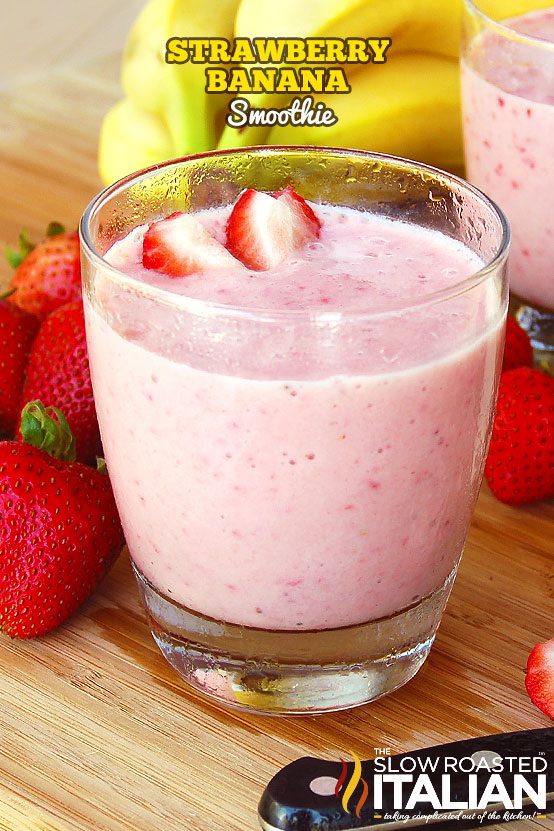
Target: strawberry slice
x=179, y=245
x=307, y=222
x=539, y=680
x=265, y=228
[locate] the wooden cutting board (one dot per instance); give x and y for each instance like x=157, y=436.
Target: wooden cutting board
x=96, y=731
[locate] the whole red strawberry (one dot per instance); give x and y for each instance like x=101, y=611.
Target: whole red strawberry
x=539, y=678
x=59, y=527
x=520, y=464
x=518, y=350
x=17, y=332
x=47, y=275
x=58, y=374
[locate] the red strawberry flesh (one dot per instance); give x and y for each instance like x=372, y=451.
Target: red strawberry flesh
x=308, y=224
x=263, y=229
x=539, y=679
x=17, y=332
x=58, y=374
x=518, y=350
x=520, y=464
x=179, y=245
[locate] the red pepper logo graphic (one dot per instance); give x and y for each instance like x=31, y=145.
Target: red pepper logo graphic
x=351, y=786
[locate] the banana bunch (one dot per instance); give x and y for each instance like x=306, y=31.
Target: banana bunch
x=409, y=106
x=165, y=112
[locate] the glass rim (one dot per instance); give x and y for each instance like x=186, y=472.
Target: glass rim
x=204, y=308
x=507, y=31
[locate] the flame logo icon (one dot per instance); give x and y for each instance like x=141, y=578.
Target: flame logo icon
x=351, y=786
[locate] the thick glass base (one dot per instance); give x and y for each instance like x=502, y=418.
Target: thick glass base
x=294, y=672
x=539, y=325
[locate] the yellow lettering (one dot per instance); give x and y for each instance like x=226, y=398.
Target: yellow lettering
x=263, y=80
x=335, y=50
x=243, y=52
x=357, y=52
x=216, y=79
x=288, y=82
x=197, y=49
x=312, y=79
x=336, y=81
x=270, y=50
x=288, y=79
x=219, y=50
x=316, y=50
x=238, y=80
x=176, y=51
x=379, y=47
x=296, y=50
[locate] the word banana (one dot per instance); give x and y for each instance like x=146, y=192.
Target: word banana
x=288, y=79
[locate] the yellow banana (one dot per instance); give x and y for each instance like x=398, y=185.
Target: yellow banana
x=422, y=25
x=143, y=68
x=414, y=25
x=190, y=113
x=131, y=138
x=501, y=9
x=167, y=112
x=409, y=108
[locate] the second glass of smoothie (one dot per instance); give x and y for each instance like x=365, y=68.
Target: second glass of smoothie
x=296, y=452
x=508, y=104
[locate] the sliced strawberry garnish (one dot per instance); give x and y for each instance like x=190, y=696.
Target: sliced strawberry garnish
x=179, y=245
x=539, y=680
x=308, y=225
x=263, y=228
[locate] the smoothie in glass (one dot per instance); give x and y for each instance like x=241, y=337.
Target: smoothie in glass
x=508, y=111
x=295, y=447
x=293, y=500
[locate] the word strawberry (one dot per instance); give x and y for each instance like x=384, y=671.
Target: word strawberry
x=539, y=680
x=520, y=464
x=518, y=350
x=59, y=527
x=263, y=228
x=17, y=332
x=179, y=245
x=47, y=275
x=58, y=374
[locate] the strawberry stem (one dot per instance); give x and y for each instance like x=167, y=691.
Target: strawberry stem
x=47, y=429
x=16, y=256
x=55, y=228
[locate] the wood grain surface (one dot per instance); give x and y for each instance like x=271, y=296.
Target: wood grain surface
x=98, y=734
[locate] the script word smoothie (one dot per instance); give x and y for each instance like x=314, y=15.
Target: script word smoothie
x=508, y=95
x=288, y=481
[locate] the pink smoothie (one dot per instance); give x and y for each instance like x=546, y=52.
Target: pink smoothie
x=289, y=470
x=508, y=97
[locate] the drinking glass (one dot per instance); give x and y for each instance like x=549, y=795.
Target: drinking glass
x=295, y=486
x=508, y=113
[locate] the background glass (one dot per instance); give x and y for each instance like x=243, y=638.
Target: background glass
x=508, y=111
x=367, y=624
